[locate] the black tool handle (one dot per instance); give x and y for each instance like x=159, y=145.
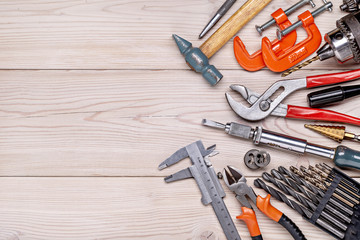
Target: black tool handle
x=332, y=95
x=291, y=227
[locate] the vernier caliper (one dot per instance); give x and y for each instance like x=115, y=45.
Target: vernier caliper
x=205, y=177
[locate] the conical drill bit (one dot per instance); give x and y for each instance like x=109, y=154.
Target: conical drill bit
x=298, y=67
x=336, y=133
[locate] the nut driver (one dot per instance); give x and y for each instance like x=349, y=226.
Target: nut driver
x=236, y=182
x=263, y=106
x=207, y=181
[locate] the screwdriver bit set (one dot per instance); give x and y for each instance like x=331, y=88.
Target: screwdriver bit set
x=324, y=196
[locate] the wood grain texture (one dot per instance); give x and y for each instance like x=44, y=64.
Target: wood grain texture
x=124, y=34
x=94, y=95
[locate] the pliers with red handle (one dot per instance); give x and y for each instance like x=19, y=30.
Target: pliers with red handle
x=263, y=105
x=236, y=182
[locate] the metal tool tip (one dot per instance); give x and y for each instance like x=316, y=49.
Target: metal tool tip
x=168, y=178
x=266, y=176
x=279, y=34
x=214, y=124
x=259, y=29
x=162, y=166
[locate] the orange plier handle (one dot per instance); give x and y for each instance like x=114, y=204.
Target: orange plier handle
x=249, y=217
x=265, y=206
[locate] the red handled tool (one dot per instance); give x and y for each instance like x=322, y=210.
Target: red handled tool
x=236, y=182
x=263, y=105
x=255, y=62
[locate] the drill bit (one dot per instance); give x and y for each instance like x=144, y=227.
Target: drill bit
x=331, y=176
x=301, y=65
x=297, y=207
x=327, y=179
x=336, y=133
x=310, y=204
x=316, y=191
x=339, y=189
x=321, y=186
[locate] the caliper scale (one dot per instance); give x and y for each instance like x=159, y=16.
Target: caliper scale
x=207, y=181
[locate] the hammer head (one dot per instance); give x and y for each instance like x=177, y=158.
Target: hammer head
x=197, y=60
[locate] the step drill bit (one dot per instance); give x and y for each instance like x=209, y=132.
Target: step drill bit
x=336, y=133
x=344, y=208
x=342, y=43
x=309, y=203
x=298, y=207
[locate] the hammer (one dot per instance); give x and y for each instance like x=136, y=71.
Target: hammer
x=198, y=58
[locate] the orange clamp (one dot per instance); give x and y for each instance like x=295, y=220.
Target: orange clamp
x=249, y=217
x=269, y=210
x=255, y=61
x=293, y=55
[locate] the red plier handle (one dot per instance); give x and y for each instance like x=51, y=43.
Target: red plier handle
x=320, y=114
x=331, y=78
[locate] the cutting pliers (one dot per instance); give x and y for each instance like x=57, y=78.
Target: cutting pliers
x=263, y=105
x=236, y=182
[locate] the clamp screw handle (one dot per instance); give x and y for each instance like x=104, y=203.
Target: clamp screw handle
x=326, y=7
x=287, y=12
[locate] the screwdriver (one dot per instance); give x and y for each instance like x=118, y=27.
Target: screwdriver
x=341, y=155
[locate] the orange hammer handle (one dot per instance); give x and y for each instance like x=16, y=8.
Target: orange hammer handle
x=245, y=13
x=249, y=217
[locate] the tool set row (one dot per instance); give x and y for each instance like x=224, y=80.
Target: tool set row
x=324, y=196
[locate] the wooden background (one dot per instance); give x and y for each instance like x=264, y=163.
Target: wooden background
x=94, y=94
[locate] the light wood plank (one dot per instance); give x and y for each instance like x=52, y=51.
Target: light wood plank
x=121, y=208
x=124, y=123
x=124, y=34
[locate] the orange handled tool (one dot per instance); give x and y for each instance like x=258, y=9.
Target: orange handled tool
x=236, y=182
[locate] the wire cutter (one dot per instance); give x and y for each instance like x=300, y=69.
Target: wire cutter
x=236, y=182
x=262, y=105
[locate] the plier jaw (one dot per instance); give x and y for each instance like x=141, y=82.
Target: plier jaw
x=270, y=102
x=236, y=182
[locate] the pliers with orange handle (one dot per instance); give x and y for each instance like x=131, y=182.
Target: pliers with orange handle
x=236, y=182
